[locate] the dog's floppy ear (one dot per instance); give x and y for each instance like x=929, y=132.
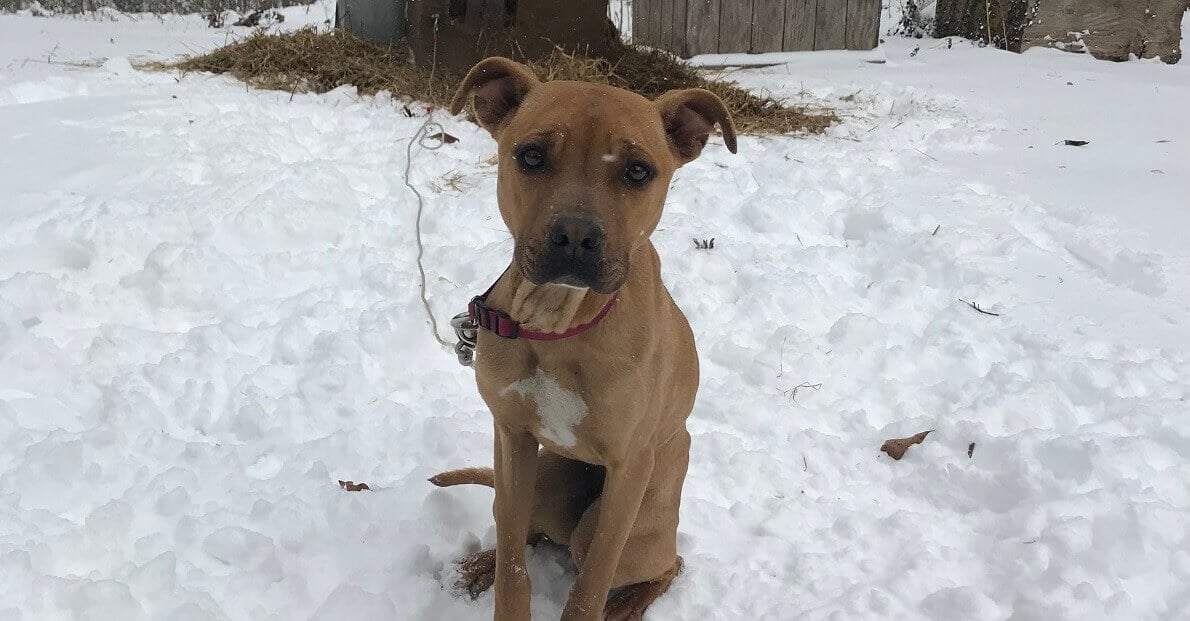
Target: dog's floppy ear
x=499, y=85
x=689, y=116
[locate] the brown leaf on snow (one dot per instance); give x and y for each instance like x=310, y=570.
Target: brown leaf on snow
x=896, y=447
x=444, y=137
x=352, y=486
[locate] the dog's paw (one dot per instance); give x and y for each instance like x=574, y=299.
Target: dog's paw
x=629, y=603
x=476, y=573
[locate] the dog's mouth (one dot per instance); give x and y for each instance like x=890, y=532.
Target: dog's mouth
x=601, y=277
x=572, y=282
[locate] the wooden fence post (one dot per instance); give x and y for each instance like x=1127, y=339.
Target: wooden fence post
x=830, y=25
x=702, y=26
x=863, y=24
x=768, y=25
x=690, y=27
x=735, y=26
x=640, y=18
x=800, y=19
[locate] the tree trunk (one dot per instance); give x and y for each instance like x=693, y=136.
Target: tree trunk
x=1107, y=29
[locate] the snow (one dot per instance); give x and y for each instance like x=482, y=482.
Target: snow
x=209, y=314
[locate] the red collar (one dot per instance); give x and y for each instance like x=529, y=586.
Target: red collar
x=505, y=326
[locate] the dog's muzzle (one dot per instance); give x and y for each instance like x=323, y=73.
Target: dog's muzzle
x=573, y=253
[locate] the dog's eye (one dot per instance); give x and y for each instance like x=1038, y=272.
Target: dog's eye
x=531, y=158
x=637, y=173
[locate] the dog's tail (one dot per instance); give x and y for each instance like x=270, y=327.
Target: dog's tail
x=465, y=476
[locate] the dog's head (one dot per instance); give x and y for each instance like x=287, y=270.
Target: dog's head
x=584, y=168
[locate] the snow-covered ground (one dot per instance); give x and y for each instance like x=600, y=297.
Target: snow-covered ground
x=208, y=315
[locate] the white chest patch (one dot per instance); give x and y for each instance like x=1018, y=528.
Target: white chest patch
x=558, y=409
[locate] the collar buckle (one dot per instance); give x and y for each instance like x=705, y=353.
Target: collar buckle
x=467, y=332
x=480, y=315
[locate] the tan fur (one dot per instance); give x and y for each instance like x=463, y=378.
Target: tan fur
x=591, y=447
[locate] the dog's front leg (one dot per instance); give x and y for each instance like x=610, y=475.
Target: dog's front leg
x=515, y=474
x=623, y=489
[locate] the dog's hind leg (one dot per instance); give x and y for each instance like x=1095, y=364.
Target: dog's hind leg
x=649, y=561
x=629, y=603
x=565, y=488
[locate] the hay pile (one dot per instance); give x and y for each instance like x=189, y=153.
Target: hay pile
x=306, y=61
x=309, y=61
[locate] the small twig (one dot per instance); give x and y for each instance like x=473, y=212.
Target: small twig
x=925, y=154
x=935, y=230
x=50, y=58
x=805, y=466
x=781, y=360
x=976, y=307
x=792, y=394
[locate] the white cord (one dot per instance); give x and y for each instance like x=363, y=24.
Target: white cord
x=424, y=140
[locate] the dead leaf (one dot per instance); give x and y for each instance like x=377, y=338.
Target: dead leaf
x=444, y=137
x=352, y=486
x=896, y=447
x=970, y=450
x=1077, y=143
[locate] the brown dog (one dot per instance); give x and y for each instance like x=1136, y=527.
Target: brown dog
x=602, y=371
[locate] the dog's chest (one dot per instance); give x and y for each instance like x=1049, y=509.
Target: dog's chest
x=559, y=409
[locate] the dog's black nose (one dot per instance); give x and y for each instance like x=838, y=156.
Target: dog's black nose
x=577, y=238
x=573, y=252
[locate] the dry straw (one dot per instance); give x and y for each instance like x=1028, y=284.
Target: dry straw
x=309, y=61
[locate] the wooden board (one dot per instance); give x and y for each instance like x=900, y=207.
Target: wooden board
x=735, y=26
x=666, y=37
x=654, y=23
x=381, y=23
x=799, y=25
x=830, y=25
x=768, y=25
x=863, y=24
x=640, y=15
x=702, y=26
x=679, y=30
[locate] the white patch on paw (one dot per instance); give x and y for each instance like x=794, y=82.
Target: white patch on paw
x=558, y=409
